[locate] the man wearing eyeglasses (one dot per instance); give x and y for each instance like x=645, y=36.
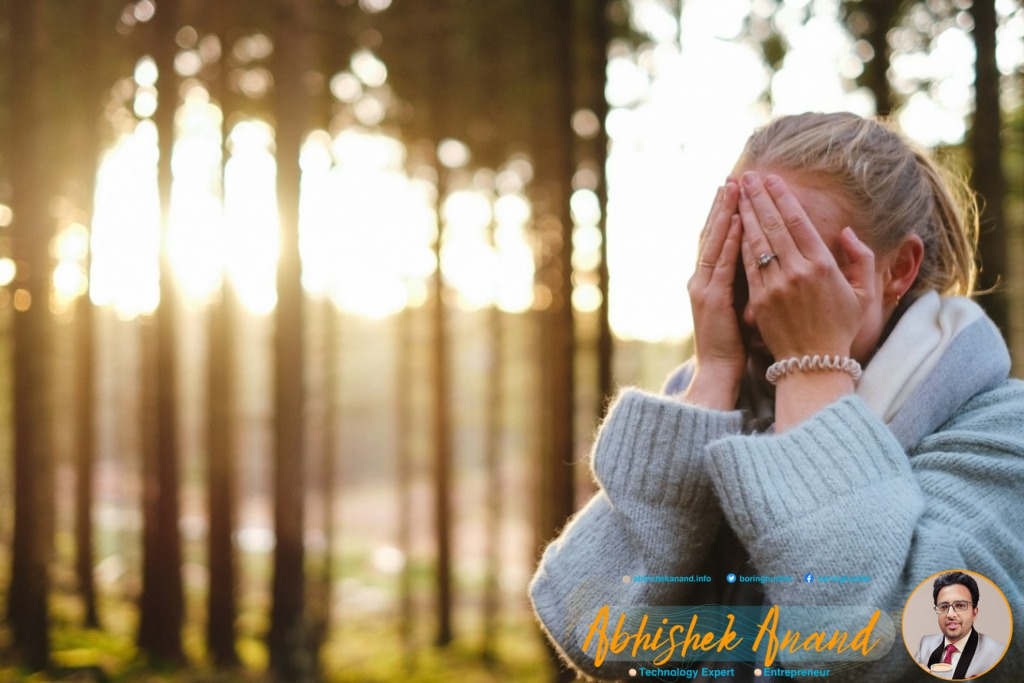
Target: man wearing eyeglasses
x=968, y=652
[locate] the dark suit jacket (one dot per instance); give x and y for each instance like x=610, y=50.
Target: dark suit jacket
x=979, y=655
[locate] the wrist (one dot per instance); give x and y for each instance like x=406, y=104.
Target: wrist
x=714, y=388
x=800, y=395
x=795, y=364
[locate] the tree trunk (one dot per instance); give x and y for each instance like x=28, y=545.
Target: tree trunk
x=986, y=145
x=440, y=127
x=162, y=601
x=555, y=166
x=30, y=240
x=222, y=480
x=494, y=484
x=883, y=15
x=291, y=655
x=554, y=169
x=222, y=407
x=595, y=76
x=85, y=381
x=404, y=470
x=329, y=465
x=441, y=372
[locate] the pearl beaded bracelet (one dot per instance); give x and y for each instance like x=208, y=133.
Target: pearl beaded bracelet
x=815, y=362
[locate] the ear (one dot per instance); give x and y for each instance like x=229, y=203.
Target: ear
x=901, y=266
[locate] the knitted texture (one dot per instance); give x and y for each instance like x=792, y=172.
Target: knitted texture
x=654, y=514
x=842, y=493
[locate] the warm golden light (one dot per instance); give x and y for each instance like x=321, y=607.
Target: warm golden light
x=366, y=226
x=467, y=258
x=196, y=236
x=7, y=271
x=369, y=69
x=22, y=300
x=126, y=226
x=72, y=243
x=146, y=72
x=453, y=153
x=515, y=257
x=69, y=281
x=251, y=232
x=368, y=223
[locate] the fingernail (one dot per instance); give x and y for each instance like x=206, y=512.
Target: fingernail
x=749, y=178
x=773, y=182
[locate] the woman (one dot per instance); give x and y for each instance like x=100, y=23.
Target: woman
x=888, y=443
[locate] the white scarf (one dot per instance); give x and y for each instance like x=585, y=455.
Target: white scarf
x=943, y=351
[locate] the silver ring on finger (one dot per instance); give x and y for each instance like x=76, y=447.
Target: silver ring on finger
x=766, y=258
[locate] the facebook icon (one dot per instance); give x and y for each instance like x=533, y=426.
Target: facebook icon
x=809, y=578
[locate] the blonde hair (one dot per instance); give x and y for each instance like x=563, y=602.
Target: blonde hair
x=894, y=188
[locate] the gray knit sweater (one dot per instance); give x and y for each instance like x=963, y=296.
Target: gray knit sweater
x=684, y=491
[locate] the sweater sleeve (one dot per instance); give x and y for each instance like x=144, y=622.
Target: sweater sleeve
x=654, y=514
x=837, y=496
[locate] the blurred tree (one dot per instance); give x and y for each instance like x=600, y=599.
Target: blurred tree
x=595, y=34
x=420, y=44
x=161, y=603
x=871, y=21
x=291, y=652
x=222, y=480
x=440, y=77
x=85, y=127
x=483, y=53
x=32, y=230
x=987, y=177
x=327, y=478
x=404, y=469
x=553, y=146
x=334, y=42
x=407, y=34
x=222, y=405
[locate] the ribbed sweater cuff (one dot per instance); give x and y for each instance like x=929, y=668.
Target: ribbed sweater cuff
x=767, y=481
x=651, y=448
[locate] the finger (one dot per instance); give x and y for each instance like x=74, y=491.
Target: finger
x=725, y=268
x=763, y=224
x=749, y=256
x=798, y=225
x=861, y=268
x=702, y=239
x=717, y=227
x=754, y=242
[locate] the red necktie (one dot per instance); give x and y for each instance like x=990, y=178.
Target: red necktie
x=950, y=649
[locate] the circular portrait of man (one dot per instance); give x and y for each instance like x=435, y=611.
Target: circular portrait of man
x=957, y=624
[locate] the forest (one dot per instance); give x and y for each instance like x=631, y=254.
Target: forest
x=310, y=308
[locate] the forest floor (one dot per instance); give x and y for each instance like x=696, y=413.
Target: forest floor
x=365, y=643
x=355, y=654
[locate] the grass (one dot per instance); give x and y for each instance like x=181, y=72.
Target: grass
x=363, y=648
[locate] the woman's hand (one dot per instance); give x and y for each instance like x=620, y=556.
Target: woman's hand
x=719, y=351
x=802, y=302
